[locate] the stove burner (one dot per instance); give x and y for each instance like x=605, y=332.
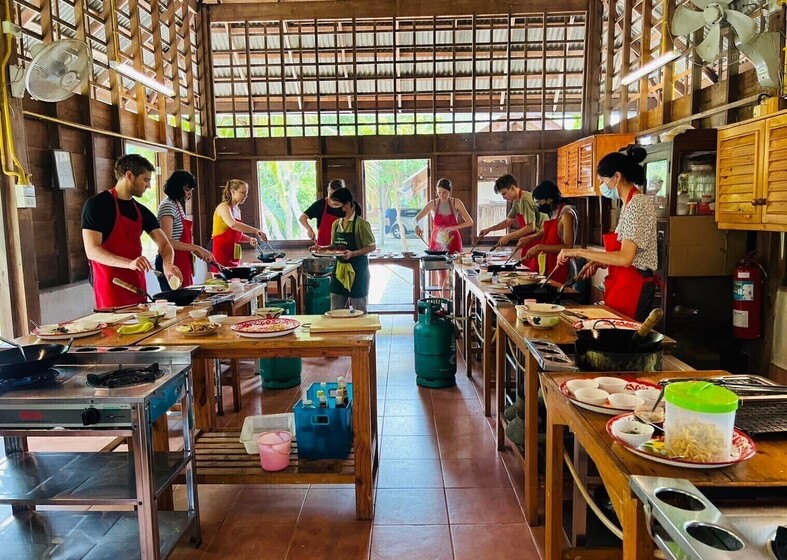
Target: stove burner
x=125, y=377
x=149, y=349
x=42, y=378
x=86, y=349
x=117, y=349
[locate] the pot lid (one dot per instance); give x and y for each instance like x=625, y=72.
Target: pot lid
x=701, y=396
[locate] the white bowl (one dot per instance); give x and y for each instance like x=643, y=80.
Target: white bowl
x=611, y=384
x=198, y=313
x=576, y=384
x=543, y=315
x=649, y=397
x=632, y=432
x=625, y=401
x=268, y=312
x=217, y=319
x=591, y=396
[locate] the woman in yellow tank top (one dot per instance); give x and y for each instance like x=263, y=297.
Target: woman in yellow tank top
x=228, y=229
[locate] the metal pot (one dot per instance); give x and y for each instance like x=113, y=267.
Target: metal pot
x=319, y=266
x=611, y=350
x=38, y=358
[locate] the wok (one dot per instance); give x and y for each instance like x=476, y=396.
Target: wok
x=242, y=272
x=431, y=252
x=181, y=296
x=541, y=293
x=270, y=257
x=502, y=267
x=611, y=350
x=38, y=358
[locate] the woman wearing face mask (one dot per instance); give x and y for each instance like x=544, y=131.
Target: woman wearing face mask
x=558, y=232
x=446, y=211
x=172, y=217
x=631, y=253
x=352, y=235
x=228, y=229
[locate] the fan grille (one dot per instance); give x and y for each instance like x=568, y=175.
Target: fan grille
x=58, y=70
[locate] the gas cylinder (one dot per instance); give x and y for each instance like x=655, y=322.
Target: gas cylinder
x=435, y=345
x=317, y=299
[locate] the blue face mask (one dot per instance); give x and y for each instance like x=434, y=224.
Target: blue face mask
x=609, y=192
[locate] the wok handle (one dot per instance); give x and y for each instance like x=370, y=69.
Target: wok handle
x=654, y=317
x=129, y=287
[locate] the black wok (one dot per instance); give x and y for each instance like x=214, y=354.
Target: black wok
x=181, y=296
x=613, y=351
x=501, y=267
x=38, y=358
x=546, y=293
x=431, y=252
x=270, y=257
x=619, y=340
x=242, y=272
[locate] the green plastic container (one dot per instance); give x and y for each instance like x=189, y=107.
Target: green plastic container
x=435, y=345
x=317, y=297
x=280, y=373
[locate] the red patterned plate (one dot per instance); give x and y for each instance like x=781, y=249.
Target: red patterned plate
x=632, y=385
x=743, y=449
x=266, y=328
x=600, y=324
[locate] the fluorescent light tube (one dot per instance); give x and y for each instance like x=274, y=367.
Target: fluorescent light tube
x=144, y=79
x=649, y=67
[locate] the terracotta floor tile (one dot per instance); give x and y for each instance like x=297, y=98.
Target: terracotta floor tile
x=493, y=542
x=411, y=542
x=409, y=426
x=399, y=407
x=328, y=505
x=539, y=537
x=467, y=446
x=420, y=506
x=263, y=506
x=186, y=551
x=475, y=473
x=251, y=542
x=408, y=447
x=410, y=473
x=334, y=541
x=215, y=502
x=457, y=407
x=483, y=505
x=460, y=391
x=461, y=425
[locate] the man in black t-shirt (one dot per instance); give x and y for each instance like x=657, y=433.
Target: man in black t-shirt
x=319, y=208
x=112, y=224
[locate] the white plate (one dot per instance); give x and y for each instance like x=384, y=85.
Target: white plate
x=606, y=408
x=70, y=335
x=328, y=253
x=343, y=314
x=239, y=328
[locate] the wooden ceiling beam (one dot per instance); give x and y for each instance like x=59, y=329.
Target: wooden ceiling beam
x=323, y=9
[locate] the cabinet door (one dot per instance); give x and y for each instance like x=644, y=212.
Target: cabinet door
x=738, y=173
x=562, y=168
x=774, y=189
x=586, y=171
x=572, y=171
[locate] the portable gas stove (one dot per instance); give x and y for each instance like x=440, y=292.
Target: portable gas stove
x=549, y=356
x=501, y=300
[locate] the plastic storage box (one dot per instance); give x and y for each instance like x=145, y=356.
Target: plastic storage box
x=253, y=426
x=324, y=433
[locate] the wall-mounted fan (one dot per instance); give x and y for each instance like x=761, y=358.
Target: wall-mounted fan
x=760, y=47
x=56, y=72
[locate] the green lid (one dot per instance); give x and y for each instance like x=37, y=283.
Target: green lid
x=701, y=396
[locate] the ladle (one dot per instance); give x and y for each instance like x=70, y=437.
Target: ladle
x=17, y=346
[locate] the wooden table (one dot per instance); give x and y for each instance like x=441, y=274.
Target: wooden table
x=615, y=465
x=413, y=263
x=511, y=331
x=359, y=346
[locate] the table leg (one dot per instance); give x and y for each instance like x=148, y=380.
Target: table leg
x=486, y=366
x=416, y=290
x=469, y=333
x=554, y=491
x=204, y=394
x=235, y=381
x=500, y=386
x=364, y=392
x=531, y=439
x=637, y=543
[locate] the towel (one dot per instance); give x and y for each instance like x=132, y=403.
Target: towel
x=139, y=328
x=345, y=274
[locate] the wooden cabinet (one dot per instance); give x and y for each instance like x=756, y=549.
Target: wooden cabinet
x=576, y=162
x=751, y=175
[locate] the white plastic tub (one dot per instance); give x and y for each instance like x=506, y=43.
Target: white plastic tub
x=253, y=426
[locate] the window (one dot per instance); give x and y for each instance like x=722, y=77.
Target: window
x=287, y=188
x=152, y=196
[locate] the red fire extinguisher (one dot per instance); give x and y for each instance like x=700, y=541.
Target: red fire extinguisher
x=748, y=280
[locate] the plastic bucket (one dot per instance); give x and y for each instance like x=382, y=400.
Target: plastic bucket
x=274, y=449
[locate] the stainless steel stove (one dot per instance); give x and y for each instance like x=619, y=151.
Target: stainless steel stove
x=549, y=356
x=502, y=300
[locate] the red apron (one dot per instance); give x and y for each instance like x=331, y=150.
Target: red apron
x=441, y=222
x=224, y=247
x=125, y=240
x=183, y=259
x=623, y=284
x=552, y=237
x=326, y=226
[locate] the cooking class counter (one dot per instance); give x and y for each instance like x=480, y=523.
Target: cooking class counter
x=616, y=465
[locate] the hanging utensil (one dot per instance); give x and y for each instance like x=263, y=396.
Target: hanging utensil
x=130, y=288
x=654, y=317
x=545, y=281
x=477, y=241
x=570, y=282
x=17, y=346
x=218, y=265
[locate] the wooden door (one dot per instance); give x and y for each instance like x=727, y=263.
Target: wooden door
x=773, y=201
x=738, y=174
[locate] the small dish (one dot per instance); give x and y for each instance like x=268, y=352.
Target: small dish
x=198, y=313
x=591, y=396
x=576, y=384
x=625, y=401
x=218, y=319
x=611, y=384
x=649, y=397
x=197, y=328
x=632, y=432
x=269, y=312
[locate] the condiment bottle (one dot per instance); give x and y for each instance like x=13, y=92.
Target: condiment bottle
x=340, y=400
x=322, y=399
x=308, y=403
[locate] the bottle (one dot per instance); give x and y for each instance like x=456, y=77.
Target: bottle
x=324, y=388
x=308, y=403
x=342, y=388
x=322, y=400
x=340, y=400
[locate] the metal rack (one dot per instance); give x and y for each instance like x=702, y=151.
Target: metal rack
x=434, y=264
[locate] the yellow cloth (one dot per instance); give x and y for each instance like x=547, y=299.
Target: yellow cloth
x=139, y=328
x=345, y=274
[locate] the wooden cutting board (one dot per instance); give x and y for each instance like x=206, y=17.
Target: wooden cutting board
x=363, y=323
x=109, y=318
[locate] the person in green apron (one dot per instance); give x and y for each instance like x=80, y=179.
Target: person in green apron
x=352, y=235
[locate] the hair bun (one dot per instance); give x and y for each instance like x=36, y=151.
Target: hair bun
x=636, y=153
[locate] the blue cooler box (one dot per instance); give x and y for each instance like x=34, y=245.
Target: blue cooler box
x=324, y=433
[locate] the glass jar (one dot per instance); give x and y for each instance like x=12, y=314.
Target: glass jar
x=701, y=181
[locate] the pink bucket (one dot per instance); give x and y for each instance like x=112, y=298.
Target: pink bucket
x=274, y=450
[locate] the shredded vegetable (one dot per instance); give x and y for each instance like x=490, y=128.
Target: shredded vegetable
x=697, y=442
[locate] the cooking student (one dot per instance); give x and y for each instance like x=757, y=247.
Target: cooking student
x=179, y=230
x=446, y=212
x=353, y=235
x=325, y=214
x=559, y=231
x=112, y=226
x=228, y=229
x=630, y=253
x=523, y=214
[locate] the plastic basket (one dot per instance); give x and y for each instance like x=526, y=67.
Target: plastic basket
x=253, y=426
x=325, y=433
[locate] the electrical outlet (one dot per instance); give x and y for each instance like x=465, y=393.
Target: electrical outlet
x=25, y=196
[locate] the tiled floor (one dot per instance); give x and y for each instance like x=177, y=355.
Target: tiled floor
x=443, y=492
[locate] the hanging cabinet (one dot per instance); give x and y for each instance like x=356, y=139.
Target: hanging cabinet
x=576, y=162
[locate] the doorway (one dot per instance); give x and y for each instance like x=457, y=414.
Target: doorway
x=491, y=208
